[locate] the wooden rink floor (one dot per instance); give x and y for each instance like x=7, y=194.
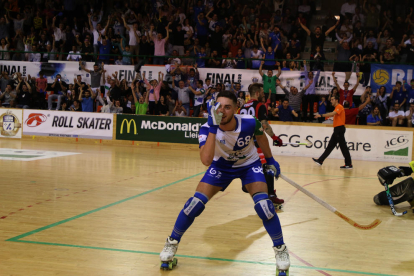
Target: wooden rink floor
x=109, y=209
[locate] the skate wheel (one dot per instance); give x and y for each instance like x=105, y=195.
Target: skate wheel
x=175, y=262
x=170, y=265
x=282, y=272
x=164, y=266
x=278, y=206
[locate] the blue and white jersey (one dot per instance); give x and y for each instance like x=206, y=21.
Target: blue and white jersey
x=234, y=149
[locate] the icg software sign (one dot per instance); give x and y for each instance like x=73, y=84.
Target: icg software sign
x=158, y=128
x=363, y=144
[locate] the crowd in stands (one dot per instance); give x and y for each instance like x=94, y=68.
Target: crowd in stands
x=187, y=35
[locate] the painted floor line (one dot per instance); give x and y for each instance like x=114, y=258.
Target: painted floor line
x=204, y=258
x=97, y=209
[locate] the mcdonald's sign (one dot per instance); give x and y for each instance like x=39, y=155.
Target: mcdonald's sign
x=128, y=126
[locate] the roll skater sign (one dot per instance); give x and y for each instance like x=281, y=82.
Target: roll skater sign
x=158, y=128
x=68, y=124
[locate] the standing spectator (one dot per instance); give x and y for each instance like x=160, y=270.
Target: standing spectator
x=381, y=100
x=41, y=84
x=358, y=16
x=375, y=118
x=294, y=97
x=409, y=48
x=177, y=40
x=141, y=105
x=351, y=113
x=364, y=112
x=372, y=17
x=269, y=63
x=126, y=54
x=396, y=116
x=179, y=110
x=318, y=38
x=410, y=92
x=4, y=81
x=201, y=54
x=183, y=95
x=409, y=115
x=229, y=62
x=4, y=27
x=285, y=111
x=214, y=61
x=159, y=45
x=162, y=107
x=134, y=35
x=199, y=95
x=153, y=88
x=87, y=100
x=269, y=82
x=8, y=95
x=310, y=94
x=4, y=47
x=24, y=94
x=50, y=51
x=75, y=106
x=256, y=53
x=105, y=46
x=389, y=53
x=216, y=38
x=96, y=75
x=59, y=88
x=322, y=107
x=240, y=60
x=86, y=49
x=346, y=94
x=348, y=9
x=74, y=55
x=202, y=28
x=97, y=32
x=399, y=95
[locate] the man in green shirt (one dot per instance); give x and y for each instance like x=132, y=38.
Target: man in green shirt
x=269, y=82
x=141, y=105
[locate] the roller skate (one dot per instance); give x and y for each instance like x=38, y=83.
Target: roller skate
x=282, y=260
x=167, y=254
x=277, y=202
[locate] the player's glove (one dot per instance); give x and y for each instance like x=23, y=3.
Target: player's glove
x=277, y=141
x=273, y=167
x=388, y=174
x=214, y=118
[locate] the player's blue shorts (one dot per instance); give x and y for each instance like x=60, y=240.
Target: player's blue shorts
x=223, y=177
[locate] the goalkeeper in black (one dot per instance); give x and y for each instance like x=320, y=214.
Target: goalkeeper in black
x=400, y=192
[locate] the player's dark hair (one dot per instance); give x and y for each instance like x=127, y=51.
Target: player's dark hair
x=398, y=82
x=228, y=95
x=285, y=100
x=255, y=88
x=200, y=82
x=346, y=104
x=336, y=97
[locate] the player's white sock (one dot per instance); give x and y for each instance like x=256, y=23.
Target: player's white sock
x=282, y=257
x=169, y=250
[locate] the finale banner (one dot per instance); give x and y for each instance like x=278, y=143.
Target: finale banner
x=70, y=69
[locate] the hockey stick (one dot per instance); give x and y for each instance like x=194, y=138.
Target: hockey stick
x=391, y=202
x=370, y=226
x=308, y=143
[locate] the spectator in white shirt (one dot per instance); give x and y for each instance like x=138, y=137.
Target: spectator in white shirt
x=96, y=31
x=396, y=116
x=229, y=62
x=179, y=110
x=358, y=16
x=409, y=115
x=74, y=55
x=348, y=9
x=34, y=57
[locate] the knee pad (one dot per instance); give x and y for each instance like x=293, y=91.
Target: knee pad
x=263, y=206
x=195, y=205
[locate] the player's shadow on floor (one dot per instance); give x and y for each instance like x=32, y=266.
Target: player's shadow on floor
x=230, y=239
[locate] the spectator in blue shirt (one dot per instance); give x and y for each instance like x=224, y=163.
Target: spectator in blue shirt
x=285, y=111
x=241, y=64
x=104, y=49
x=410, y=94
x=398, y=95
x=322, y=108
x=201, y=54
x=202, y=29
x=269, y=63
x=276, y=37
x=374, y=119
x=310, y=94
x=87, y=100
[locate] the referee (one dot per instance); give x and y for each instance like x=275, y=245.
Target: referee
x=338, y=135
